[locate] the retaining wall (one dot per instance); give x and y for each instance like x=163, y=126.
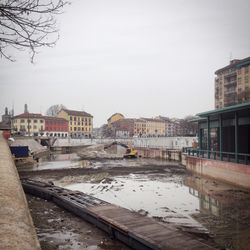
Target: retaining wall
x=16, y=226
x=173, y=155
x=234, y=173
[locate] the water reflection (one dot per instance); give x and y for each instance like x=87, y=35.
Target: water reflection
x=154, y=195
x=224, y=210
x=207, y=203
x=58, y=161
x=192, y=202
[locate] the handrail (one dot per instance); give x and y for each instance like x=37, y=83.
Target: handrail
x=218, y=155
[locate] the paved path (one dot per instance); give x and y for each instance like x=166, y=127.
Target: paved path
x=16, y=226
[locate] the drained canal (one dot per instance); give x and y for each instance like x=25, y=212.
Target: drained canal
x=163, y=190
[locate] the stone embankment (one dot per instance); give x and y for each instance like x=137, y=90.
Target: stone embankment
x=17, y=230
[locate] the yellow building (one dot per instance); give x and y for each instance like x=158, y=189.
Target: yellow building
x=155, y=127
x=115, y=117
x=232, y=83
x=80, y=122
x=28, y=124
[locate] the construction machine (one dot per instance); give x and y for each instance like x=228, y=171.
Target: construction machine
x=130, y=152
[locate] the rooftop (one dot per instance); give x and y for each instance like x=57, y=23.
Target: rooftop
x=114, y=115
x=77, y=113
x=235, y=63
x=233, y=108
x=29, y=115
x=54, y=118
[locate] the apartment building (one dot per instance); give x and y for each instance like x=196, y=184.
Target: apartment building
x=124, y=127
x=140, y=127
x=170, y=126
x=155, y=127
x=115, y=117
x=80, y=123
x=28, y=124
x=55, y=126
x=232, y=83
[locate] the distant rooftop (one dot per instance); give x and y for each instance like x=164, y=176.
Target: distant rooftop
x=29, y=115
x=77, y=113
x=114, y=115
x=235, y=63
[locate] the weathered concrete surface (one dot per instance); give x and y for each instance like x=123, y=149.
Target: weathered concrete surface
x=156, y=153
x=230, y=172
x=16, y=226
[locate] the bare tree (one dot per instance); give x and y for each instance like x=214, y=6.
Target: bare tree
x=28, y=24
x=54, y=109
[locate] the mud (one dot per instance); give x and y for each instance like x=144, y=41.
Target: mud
x=209, y=209
x=59, y=229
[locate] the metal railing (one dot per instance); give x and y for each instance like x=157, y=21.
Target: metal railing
x=217, y=155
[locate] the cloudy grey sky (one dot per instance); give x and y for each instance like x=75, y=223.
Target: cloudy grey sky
x=141, y=58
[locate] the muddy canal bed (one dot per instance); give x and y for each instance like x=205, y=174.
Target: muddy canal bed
x=163, y=190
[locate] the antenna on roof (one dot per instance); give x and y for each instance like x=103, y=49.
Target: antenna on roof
x=12, y=111
x=230, y=56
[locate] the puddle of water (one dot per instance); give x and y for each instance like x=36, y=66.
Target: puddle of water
x=62, y=240
x=197, y=203
x=157, y=198
x=59, y=161
x=200, y=204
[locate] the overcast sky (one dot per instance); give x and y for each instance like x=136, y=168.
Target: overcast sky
x=141, y=58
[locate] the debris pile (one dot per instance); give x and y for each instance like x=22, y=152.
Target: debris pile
x=97, y=152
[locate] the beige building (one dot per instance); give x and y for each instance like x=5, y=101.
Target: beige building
x=28, y=124
x=115, y=117
x=155, y=127
x=80, y=123
x=232, y=83
x=140, y=127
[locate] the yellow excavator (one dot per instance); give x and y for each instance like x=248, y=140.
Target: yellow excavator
x=130, y=152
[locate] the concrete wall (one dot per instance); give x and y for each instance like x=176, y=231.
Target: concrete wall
x=234, y=173
x=173, y=155
x=152, y=142
x=16, y=226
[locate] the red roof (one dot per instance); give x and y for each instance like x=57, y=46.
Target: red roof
x=77, y=113
x=29, y=115
x=54, y=118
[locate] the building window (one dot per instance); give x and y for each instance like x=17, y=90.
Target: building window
x=22, y=121
x=34, y=127
x=41, y=121
x=22, y=127
x=35, y=121
x=246, y=79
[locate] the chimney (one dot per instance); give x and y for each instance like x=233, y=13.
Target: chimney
x=26, y=108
